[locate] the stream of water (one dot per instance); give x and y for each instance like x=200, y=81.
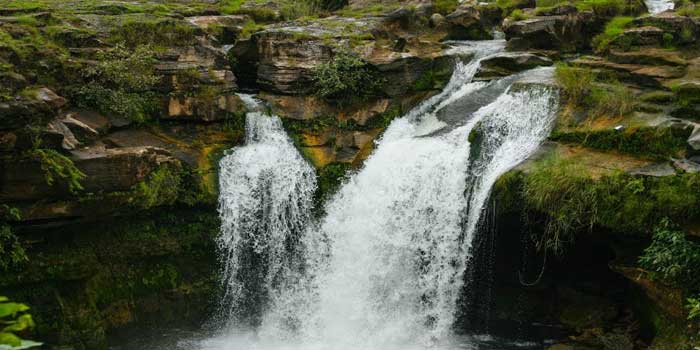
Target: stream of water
x=383, y=268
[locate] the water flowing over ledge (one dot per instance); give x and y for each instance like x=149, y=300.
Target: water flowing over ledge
x=384, y=268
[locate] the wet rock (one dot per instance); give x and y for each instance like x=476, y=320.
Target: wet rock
x=61, y=135
x=507, y=63
x=567, y=33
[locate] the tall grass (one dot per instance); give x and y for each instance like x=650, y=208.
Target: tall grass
x=615, y=27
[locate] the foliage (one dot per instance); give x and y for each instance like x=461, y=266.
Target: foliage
x=57, y=166
x=673, y=258
x=11, y=251
x=346, y=77
x=587, y=91
x=518, y=15
x=615, y=27
x=573, y=200
x=160, y=33
x=445, y=6
x=14, y=319
x=119, y=83
x=648, y=142
x=606, y=8
x=565, y=192
x=693, y=307
x=575, y=82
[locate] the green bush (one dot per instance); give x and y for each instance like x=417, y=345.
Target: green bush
x=693, y=306
x=57, y=166
x=11, y=251
x=14, y=319
x=345, y=77
x=119, y=84
x=615, y=27
x=673, y=258
x=575, y=82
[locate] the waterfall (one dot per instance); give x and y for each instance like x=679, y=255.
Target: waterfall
x=265, y=203
x=384, y=268
x=658, y=6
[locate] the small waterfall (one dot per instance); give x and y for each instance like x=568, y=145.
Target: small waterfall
x=264, y=205
x=658, y=6
x=384, y=268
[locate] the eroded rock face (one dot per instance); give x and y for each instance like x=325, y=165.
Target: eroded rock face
x=466, y=23
x=565, y=32
x=683, y=29
x=106, y=170
x=507, y=63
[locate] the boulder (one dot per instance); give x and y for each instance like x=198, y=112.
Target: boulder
x=694, y=140
x=683, y=29
x=204, y=108
x=507, y=63
x=566, y=33
x=466, y=24
x=226, y=29
x=640, y=36
x=33, y=109
x=640, y=75
x=287, y=60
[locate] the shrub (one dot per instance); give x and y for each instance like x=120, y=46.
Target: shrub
x=118, y=84
x=693, y=307
x=57, y=166
x=11, y=251
x=14, y=319
x=672, y=258
x=346, y=76
x=615, y=27
x=574, y=81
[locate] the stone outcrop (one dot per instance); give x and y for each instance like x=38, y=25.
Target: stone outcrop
x=508, y=63
x=567, y=33
x=466, y=23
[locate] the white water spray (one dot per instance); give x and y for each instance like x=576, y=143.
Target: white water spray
x=384, y=268
x=264, y=205
x=658, y=6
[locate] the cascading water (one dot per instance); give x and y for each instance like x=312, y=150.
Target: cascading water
x=384, y=267
x=264, y=205
x=658, y=6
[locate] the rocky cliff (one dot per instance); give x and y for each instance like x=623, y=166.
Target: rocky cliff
x=113, y=116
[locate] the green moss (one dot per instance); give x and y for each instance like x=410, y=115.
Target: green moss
x=161, y=188
x=330, y=177
x=649, y=142
x=445, y=7
x=346, y=78
x=573, y=201
x=613, y=29
x=135, y=33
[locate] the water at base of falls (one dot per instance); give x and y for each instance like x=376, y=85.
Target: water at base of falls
x=384, y=268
